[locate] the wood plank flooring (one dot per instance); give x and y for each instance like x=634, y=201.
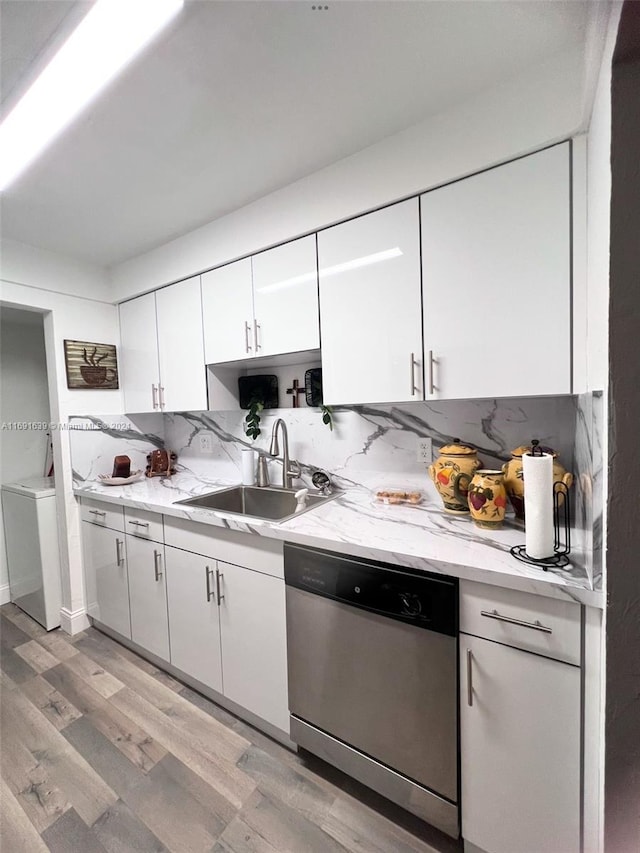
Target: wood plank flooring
x=103, y=752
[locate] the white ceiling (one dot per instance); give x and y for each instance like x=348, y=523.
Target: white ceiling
x=236, y=99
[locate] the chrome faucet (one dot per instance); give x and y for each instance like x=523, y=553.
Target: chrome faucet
x=288, y=475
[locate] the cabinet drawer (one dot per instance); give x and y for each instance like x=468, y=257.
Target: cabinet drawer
x=240, y=549
x=497, y=614
x=102, y=514
x=143, y=524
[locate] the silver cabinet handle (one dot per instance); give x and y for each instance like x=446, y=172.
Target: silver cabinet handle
x=469, y=678
x=97, y=512
x=256, y=326
x=220, y=595
x=140, y=523
x=161, y=395
x=157, y=557
x=154, y=392
x=119, y=559
x=208, y=572
x=432, y=387
x=414, y=387
x=247, y=331
x=537, y=626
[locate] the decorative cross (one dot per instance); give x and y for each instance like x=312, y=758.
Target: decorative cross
x=295, y=391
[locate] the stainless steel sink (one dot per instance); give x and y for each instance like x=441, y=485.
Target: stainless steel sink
x=257, y=502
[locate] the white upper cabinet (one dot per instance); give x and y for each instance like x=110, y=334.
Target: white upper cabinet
x=264, y=305
x=370, y=307
x=181, y=347
x=285, y=298
x=162, y=350
x=497, y=281
x=139, y=367
x=227, y=313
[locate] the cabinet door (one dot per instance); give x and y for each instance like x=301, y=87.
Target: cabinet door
x=227, y=312
x=520, y=750
x=285, y=298
x=370, y=307
x=254, y=654
x=106, y=577
x=139, y=367
x=194, y=623
x=148, y=596
x=497, y=280
x=183, y=383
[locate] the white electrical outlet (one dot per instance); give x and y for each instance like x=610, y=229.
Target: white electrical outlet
x=205, y=440
x=425, y=451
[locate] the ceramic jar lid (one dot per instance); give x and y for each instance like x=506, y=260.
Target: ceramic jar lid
x=527, y=448
x=458, y=449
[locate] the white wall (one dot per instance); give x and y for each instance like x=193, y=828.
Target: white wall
x=39, y=268
x=78, y=318
x=517, y=117
x=598, y=165
x=24, y=397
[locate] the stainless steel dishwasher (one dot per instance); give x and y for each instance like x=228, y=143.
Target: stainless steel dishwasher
x=372, y=652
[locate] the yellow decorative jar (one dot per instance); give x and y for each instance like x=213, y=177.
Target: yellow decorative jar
x=514, y=481
x=487, y=498
x=451, y=474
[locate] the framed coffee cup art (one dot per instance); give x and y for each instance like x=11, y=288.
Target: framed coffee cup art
x=90, y=365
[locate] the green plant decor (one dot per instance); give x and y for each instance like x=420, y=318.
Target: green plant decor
x=327, y=416
x=252, y=420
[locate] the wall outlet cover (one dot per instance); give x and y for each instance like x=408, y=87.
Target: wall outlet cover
x=205, y=442
x=425, y=451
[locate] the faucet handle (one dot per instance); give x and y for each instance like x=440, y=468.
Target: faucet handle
x=294, y=469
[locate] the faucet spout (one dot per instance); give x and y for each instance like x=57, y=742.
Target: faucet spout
x=274, y=450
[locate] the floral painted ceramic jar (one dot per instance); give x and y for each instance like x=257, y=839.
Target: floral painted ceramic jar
x=514, y=481
x=487, y=498
x=451, y=474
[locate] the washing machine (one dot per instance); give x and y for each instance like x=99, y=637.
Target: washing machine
x=31, y=536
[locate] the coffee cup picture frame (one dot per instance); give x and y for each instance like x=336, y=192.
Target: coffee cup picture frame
x=91, y=365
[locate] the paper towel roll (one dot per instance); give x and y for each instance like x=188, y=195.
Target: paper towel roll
x=538, y=505
x=248, y=466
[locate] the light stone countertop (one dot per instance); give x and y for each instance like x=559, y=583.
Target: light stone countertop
x=422, y=537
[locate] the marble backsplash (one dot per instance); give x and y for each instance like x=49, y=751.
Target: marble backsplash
x=369, y=445
x=366, y=444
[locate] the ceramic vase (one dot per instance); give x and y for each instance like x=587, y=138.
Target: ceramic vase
x=514, y=480
x=451, y=474
x=487, y=498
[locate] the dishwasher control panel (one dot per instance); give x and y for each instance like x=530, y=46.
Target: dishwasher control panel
x=420, y=598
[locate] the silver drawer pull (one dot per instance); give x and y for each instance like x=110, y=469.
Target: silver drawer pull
x=537, y=626
x=219, y=576
x=208, y=574
x=140, y=523
x=97, y=512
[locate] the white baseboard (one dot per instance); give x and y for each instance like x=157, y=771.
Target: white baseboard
x=74, y=621
x=5, y=595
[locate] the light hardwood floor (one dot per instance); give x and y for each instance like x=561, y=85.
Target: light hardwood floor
x=101, y=751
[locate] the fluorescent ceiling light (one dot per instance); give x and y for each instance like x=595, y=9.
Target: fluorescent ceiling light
x=365, y=261
x=107, y=38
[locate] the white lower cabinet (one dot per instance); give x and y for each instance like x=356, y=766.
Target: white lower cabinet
x=194, y=620
x=520, y=750
x=254, y=642
x=106, y=577
x=148, y=596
